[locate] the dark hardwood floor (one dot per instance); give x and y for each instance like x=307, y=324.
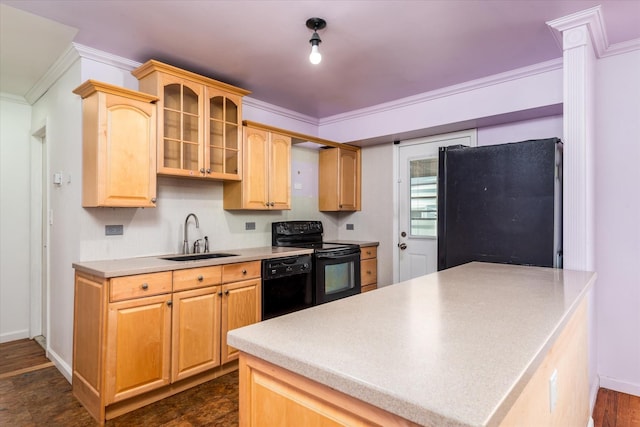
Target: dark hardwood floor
x=34, y=393
x=43, y=397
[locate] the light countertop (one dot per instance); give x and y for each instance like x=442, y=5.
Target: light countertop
x=451, y=348
x=153, y=264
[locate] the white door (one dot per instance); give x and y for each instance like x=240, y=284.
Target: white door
x=418, y=202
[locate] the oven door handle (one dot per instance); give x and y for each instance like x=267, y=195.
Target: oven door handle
x=354, y=255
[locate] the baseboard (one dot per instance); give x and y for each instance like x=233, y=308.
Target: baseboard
x=619, y=386
x=62, y=366
x=593, y=394
x=14, y=336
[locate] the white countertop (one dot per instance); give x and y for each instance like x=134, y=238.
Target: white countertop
x=153, y=264
x=451, y=348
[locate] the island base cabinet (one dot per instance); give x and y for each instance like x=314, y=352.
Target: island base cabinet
x=270, y=395
x=568, y=357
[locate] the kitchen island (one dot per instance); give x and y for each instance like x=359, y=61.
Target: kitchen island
x=475, y=345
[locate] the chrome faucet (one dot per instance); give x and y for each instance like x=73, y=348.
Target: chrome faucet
x=185, y=243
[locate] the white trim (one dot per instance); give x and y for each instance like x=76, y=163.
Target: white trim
x=62, y=366
x=619, y=386
x=280, y=111
x=16, y=99
x=593, y=394
x=13, y=336
x=59, y=67
x=592, y=18
x=520, y=73
x=87, y=52
x=622, y=48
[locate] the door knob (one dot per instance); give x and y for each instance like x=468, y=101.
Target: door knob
x=402, y=246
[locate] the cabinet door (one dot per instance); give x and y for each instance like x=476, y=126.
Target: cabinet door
x=280, y=172
x=240, y=307
x=223, y=154
x=196, y=332
x=180, y=145
x=138, y=346
x=349, y=187
x=256, y=173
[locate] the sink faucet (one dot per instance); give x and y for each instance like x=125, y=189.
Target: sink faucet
x=185, y=243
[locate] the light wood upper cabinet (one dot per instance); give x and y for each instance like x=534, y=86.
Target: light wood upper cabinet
x=199, y=122
x=339, y=180
x=266, y=183
x=119, y=145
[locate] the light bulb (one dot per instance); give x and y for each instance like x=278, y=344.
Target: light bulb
x=315, y=57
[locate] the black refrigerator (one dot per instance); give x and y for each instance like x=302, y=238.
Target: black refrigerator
x=501, y=203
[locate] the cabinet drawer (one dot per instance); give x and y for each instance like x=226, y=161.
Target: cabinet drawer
x=196, y=278
x=368, y=271
x=241, y=271
x=368, y=252
x=140, y=285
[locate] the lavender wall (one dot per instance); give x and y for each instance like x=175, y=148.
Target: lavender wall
x=618, y=221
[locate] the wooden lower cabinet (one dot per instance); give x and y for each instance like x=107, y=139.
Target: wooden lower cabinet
x=196, y=331
x=140, y=338
x=369, y=268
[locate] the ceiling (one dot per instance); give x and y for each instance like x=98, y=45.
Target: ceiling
x=373, y=51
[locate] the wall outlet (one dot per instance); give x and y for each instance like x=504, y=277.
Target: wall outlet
x=249, y=225
x=553, y=390
x=349, y=226
x=113, y=230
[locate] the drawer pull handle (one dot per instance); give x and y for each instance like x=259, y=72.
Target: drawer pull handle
x=244, y=271
x=200, y=278
x=144, y=286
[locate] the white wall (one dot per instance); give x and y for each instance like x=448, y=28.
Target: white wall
x=618, y=221
x=15, y=122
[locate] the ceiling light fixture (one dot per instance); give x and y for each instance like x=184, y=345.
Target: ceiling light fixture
x=315, y=24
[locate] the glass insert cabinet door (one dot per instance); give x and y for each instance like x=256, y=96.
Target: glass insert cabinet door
x=222, y=153
x=423, y=192
x=182, y=129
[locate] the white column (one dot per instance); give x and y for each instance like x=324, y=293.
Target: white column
x=582, y=41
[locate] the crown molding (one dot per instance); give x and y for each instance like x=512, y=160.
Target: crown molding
x=59, y=67
x=274, y=109
x=592, y=19
x=74, y=52
x=16, y=99
x=496, y=79
x=621, y=48
x=87, y=52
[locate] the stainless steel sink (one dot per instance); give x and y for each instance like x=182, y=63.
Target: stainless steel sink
x=195, y=257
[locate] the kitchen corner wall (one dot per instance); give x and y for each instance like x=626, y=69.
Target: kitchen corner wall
x=78, y=234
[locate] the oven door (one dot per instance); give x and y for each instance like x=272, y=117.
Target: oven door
x=337, y=274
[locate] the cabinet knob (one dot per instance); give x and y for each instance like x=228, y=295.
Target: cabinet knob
x=200, y=278
x=226, y=292
x=272, y=204
x=153, y=200
x=368, y=271
x=244, y=271
x=266, y=204
x=201, y=170
x=144, y=286
x=169, y=303
x=368, y=252
x=340, y=206
x=220, y=294
x=208, y=170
